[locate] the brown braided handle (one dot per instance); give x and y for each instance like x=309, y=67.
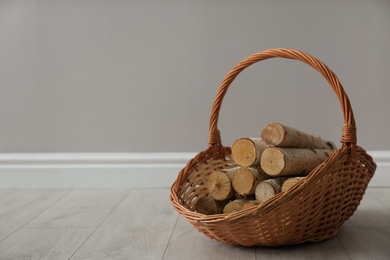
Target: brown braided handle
x=348, y=137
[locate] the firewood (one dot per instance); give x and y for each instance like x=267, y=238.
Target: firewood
x=267, y=189
x=234, y=206
x=277, y=161
x=207, y=205
x=245, y=180
x=247, y=151
x=284, y=136
x=219, y=184
x=250, y=204
x=287, y=184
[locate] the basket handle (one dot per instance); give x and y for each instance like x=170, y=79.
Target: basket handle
x=348, y=137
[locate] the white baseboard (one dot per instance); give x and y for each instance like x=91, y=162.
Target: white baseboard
x=138, y=170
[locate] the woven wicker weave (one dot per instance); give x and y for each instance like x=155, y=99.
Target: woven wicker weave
x=313, y=210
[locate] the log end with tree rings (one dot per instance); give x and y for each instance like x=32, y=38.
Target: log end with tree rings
x=273, y=134
x=219, y=184
x=273, y=161
x=234, y=206
x=290, y=182
x=267, y=189
x=250, y=204
x=246, y=152
x=245, y=180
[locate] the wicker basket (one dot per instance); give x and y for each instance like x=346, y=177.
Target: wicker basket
x=313, y=210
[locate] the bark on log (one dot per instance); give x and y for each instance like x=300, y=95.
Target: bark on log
x=285, y=136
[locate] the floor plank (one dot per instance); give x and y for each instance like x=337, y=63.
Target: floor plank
x=382, y=195
x=366, y=243
x=328, y=249
x=139, y=228
x=43, y=243
x=21, y=205
x=80, y=208
x=188, y=243
x=370, y=213
x=4, y=192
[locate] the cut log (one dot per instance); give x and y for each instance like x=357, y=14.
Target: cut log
x=285, y=136
x=245, y=180
x=250, y=204
x=247, y=151
x=287, y=184
x=219, y=184
x=207, y=205
x=267, y=189
x=234, y=206
x=277, y=161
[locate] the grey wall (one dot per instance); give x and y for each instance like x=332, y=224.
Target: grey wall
x=140, y=76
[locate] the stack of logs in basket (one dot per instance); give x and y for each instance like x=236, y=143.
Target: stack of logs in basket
x=266, y=166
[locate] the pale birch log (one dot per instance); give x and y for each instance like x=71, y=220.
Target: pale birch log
x=286, y=136
x=234, y=206
x=219, y=184
x=277, y=161
x=250, y=204
x=245, y=180
x=287, y=184
x=247, y=151
x=207, y=205
x=267, y=189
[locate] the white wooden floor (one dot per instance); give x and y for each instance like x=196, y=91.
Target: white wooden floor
x=142, y=224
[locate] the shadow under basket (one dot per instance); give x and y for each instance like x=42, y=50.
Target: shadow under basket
x=313, y=210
